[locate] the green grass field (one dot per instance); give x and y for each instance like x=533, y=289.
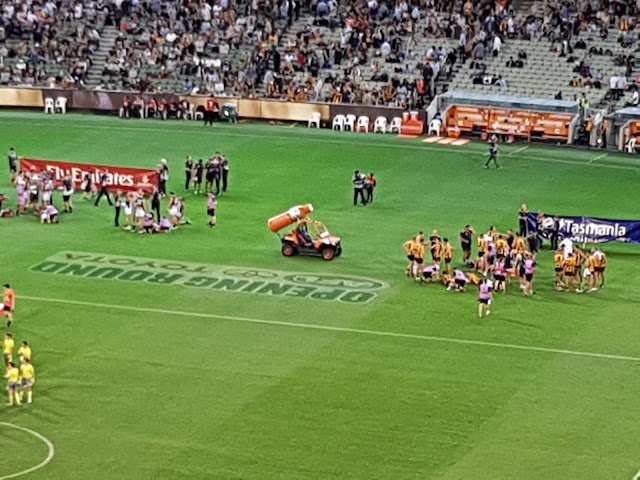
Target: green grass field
x=145, y=380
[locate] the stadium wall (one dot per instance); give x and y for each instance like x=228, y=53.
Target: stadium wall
x=103, y=101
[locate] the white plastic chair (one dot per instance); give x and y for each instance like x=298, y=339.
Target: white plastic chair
x=350, y=122
x=435, y=127
x=338, y=123
x=363, y=123
x=49, y=106
x=380, y=125
x=631, y=145
x=395, y=125
x=314, y=119
x=61, y=105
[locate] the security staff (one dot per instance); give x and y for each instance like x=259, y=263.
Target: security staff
x=358, y=187
x=188, y=171
x=212, y=109
x=104, y=183
x=13, y=163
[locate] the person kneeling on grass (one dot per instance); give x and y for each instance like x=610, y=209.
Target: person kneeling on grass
x=458, y=282
x=165, y=225
x=148, y=224
x=49, y=214
x=430, y=273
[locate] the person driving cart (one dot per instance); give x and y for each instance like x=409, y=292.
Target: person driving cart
x=307, y=236
x=303, y=234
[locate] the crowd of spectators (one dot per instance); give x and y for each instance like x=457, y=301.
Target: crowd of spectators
x=48, y=43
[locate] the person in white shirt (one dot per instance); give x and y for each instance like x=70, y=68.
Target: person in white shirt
x=567, y=247
x=497, y=45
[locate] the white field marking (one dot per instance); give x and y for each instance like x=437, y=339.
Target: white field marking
x=442, y=148
x=518, y=150
x=42, y=464
x=599, y=157
x=636, y=476
x=330, y=328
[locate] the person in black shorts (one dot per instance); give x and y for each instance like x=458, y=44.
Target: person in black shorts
x=13, y=163
x=466, y=239
x=197, y=178
x=104, y=184
x=210, y=174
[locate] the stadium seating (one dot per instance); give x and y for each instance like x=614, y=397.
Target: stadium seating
x=373, y=54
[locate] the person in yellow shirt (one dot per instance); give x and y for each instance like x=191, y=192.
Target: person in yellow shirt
x=437, y=250
x=28, y=375
x=588, y=274
x=418, y=257
x=600, y=266
x=8, y=345
x=519, y=245
x=13, y=382
x=502, y=247
x=558, y=264
x=24, y=351
x=570, y=271
x=481, y=263
x=409, y=247
x=447, y=253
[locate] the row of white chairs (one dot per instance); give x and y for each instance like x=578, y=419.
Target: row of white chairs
x=357, y=124
x=59, y=105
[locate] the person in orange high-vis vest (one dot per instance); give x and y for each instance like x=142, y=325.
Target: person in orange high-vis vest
x=212, y=110
x=8, y=304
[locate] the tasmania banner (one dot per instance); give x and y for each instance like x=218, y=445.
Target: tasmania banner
x=119, y=178
x=586, y=229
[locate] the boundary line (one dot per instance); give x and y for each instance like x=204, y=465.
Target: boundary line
x=423, y=147
x=46, y=441
x=379, y=333
x=517, y=150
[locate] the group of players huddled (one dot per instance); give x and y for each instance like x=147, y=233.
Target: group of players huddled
x=34, y=193
x=20, y=377
x=501, y=259
x=141, y=208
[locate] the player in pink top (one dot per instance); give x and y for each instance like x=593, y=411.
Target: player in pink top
x=212, y=204
x=430, y=273
x=49, y=214
x=459, y=281
x=485, y=298
x=500, y=274
x=529, y=271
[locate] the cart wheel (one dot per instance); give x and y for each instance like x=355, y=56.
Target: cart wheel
x=328, y=253
x=288, y=250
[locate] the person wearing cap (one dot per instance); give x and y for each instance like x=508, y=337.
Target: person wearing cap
x=358, y=187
